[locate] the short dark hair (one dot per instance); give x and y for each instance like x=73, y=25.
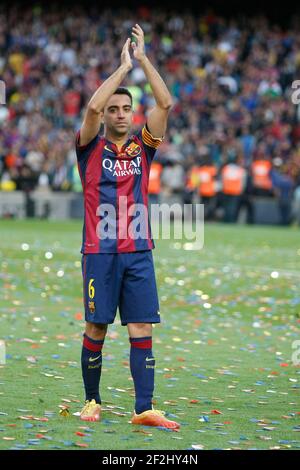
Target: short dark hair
x=123, y=91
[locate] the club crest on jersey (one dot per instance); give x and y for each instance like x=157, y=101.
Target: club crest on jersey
x=133, y=149
x=92, y=307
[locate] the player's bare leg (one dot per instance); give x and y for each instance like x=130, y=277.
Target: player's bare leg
x=95, y=331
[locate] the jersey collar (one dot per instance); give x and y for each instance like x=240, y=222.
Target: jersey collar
x=113, y=147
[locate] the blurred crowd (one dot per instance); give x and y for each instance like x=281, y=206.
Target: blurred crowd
x=233, y=130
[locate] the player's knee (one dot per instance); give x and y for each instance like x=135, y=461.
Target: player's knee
x=139, y=330
x=95, y=330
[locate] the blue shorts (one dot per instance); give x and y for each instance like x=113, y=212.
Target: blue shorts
x=124, y=280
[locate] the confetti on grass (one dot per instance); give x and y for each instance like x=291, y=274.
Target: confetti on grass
x=223, y=352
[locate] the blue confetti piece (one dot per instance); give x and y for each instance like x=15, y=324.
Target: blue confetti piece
x=170, y=415
x=110, y=421
x=204, y=418
x=161, y=428
x=67, y=443
x=64, y=314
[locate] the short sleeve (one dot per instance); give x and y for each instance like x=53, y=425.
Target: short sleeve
x=83, y=151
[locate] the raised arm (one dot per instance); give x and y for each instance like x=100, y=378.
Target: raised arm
x=92, y=118
x=158, y=116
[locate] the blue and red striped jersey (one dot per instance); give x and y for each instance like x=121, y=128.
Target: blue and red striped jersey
x=115, y=190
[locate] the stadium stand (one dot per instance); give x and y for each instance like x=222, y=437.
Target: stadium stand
x=231, y=79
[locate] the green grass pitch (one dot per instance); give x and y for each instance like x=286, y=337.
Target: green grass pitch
x=224, y=369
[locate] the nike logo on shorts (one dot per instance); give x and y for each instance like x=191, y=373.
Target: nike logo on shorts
x=92, y=359
x=149, y=359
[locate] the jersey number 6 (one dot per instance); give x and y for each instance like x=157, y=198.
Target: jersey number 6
x=91, y=289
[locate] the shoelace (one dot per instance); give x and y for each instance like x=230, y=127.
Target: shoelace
x=159, y=412
x=88, y=406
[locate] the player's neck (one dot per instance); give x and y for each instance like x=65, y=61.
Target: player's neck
x=118, y=140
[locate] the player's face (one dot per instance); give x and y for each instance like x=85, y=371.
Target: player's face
x=117, y=114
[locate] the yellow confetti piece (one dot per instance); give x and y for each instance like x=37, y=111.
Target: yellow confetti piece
x=65, y=413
